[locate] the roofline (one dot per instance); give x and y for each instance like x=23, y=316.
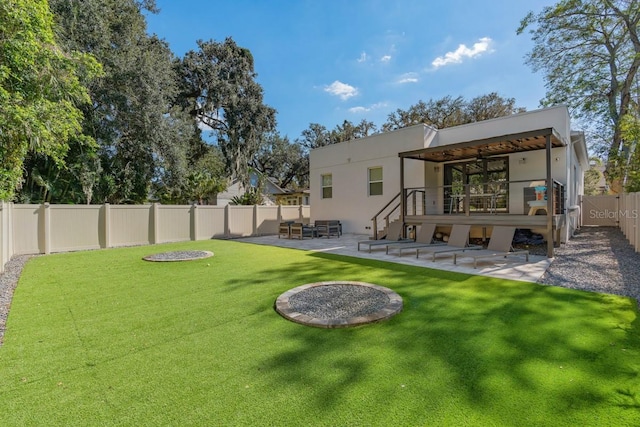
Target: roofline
x=483, y=141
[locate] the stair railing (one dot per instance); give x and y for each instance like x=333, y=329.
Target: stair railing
x=390, y=208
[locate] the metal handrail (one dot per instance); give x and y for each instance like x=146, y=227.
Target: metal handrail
x=556, y=194
x=374, y=219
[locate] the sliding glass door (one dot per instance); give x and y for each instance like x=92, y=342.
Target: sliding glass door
x=482, y=184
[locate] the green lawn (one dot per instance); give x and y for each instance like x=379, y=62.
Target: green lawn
x=104, y=338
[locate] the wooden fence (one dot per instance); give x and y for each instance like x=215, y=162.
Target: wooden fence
x=43, y=229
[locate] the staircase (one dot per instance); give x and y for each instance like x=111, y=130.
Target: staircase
x=414, y=201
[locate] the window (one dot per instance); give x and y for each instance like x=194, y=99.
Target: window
x=375, y=181
x=327, y=186
x=253, y=181
x=485, y=180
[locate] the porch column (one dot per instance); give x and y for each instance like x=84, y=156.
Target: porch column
x=549, y=199
x=403, y=201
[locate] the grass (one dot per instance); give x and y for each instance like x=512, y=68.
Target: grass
x=104, y=338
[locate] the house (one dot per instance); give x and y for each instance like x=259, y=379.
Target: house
x=524, y=170
x=269, y=191
x=292, y=197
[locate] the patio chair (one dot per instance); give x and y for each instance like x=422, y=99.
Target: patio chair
x=285, y=229
x=458, y=241
x=424, y=238
x=328, y=228
x=394, y=235
x=499, y=246
x=300, y=231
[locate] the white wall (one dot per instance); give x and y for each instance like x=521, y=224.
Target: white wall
x=533, y=168
x=348, y=163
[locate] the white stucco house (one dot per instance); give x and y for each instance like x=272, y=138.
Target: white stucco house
x=524, y=170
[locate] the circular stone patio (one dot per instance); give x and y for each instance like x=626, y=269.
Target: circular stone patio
x=338, y=304
x=178, y=256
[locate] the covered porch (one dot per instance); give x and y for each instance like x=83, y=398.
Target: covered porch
x=477, y=189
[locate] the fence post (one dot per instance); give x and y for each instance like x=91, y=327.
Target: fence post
x=625, y=210
x=635, y=213
x=194, y=222
x=279, y=214
x=154, y=223
x=46, y=228
x=106, y=226
x=300, y=214
x=254, y=226
x=628, y=221
x=227, y=231
x=4, y=238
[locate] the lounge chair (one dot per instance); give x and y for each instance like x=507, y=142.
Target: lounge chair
x=394, y=235
x=499, y=246
x=458, y=241
x=424, y=238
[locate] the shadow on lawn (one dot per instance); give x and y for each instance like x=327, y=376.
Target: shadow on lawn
x=492, y=337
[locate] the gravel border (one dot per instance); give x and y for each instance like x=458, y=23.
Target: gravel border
x=598, y=259
x=8, y=282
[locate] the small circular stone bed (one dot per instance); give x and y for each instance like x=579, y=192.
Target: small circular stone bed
x=178, y=256
x=338, y=304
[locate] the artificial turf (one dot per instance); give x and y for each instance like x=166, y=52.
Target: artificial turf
x=104, y=338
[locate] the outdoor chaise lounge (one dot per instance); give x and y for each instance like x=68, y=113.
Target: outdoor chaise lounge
x=394, y=235
x=458, y=241
x=499, y=246
x=424, y=238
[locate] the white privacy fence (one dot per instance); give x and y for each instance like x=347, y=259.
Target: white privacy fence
x=43, y=229
x=629, y=218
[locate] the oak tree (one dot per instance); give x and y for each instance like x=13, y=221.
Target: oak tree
x=589, y=52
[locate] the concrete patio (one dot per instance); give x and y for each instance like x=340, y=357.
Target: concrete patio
x=513, y=267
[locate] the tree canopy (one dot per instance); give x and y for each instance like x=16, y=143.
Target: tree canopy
x=219, y=90
x=40, y=90
x=286, y=162
x=94, y=109
x=589, y=52
x=141, y=139
x=448, y=111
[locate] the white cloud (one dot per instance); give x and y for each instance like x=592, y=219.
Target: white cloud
x=361, y=109
x=358, y=110
x=343, y=90
x=363, y=57
x=385, y=58
x=462, y=52
x=408, y=78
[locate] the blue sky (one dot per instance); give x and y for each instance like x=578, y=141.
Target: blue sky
x=326, y=61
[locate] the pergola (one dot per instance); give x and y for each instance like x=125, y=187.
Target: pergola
x=541, y=139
